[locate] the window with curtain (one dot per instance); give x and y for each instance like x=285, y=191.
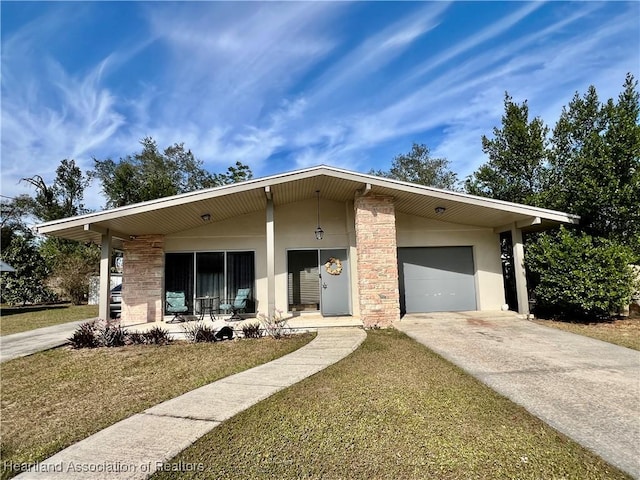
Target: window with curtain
x=178, y=275
x=241, y=274
x=216, y=274
x=210, y=274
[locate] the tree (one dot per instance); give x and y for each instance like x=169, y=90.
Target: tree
x=68, y=263
x=27, y=283
x=595, y=164
x=517, y=156
x=12, y=215
x=62, y=198
x=152, y=174
x=418, y=167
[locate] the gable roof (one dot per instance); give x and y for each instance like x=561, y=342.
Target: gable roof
x=181, y=212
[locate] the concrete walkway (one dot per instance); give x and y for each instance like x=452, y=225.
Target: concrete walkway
x=136, y=447
x=32, y=341
x=585, y=388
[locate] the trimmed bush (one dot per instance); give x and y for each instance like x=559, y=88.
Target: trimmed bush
x=577, y=276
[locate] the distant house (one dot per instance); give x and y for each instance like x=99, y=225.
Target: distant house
x=5, y=267
x=387, y=247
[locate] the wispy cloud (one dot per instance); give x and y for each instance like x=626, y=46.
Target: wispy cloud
x=278, y=85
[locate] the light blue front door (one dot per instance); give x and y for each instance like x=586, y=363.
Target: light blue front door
x=334, y=282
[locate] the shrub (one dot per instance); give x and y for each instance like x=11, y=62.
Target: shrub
x=111, y=336
x=251, y=330
x=275, y=325
x=157, y=336
x=136, y=338
x=578, y=276
x=199, y=332
x=84, y=336
x=104, y=334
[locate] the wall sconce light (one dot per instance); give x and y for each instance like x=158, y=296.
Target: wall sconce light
x=319, y=232
x=440, y=210
x=205, y=217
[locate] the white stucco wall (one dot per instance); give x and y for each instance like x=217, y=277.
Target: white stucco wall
x=294, y=229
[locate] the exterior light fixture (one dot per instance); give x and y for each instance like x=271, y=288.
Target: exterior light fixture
x=440, y=210
x=319, y=232
x=205, y=217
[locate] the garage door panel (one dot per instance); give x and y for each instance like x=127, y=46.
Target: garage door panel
x=436, y=279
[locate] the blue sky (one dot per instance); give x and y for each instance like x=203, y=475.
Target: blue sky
x=281, y=86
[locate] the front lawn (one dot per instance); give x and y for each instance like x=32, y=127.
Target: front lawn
x=393, y=409
x=21, y=319
x=625, y=333
x=53, y=399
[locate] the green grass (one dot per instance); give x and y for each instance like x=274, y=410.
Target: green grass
x=22, y=319
x=391, y=410
x=625, y=333
x=53, y=399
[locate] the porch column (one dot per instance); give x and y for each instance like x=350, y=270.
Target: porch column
x=375, y=223
x=519, y=271
x=105, y=276
x=271, y=253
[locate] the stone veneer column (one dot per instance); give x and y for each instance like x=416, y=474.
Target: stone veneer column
x=142, y=279
x=375, y=221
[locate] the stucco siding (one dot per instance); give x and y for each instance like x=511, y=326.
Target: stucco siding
x=415, y=231
x=295, y=225
x=243, y=233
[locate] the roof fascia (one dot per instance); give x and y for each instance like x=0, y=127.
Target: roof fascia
x=261, y=183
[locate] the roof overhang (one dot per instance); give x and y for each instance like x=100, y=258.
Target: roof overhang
x=183, y=212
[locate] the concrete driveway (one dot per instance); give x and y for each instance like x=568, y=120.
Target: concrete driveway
x=32, y=341
x=587, y=389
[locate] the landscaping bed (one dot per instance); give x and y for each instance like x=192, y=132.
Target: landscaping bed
x=392, y=409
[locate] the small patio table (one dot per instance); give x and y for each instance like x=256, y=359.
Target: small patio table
x=210, y=305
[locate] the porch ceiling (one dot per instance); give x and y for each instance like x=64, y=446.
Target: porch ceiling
x=183, y=212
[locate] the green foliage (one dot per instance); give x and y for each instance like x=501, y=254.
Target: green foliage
x=152, y=174
x=517, y=156
x=579, y=276
x=418, y=167
x=595, y=164
x=62, y=198
x=72, y=264
x=27, y=283
x=12, y=220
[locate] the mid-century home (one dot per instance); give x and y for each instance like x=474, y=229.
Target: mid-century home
x=322, y=239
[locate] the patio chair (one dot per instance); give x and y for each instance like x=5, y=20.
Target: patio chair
x=176, y=304
x=238, y=305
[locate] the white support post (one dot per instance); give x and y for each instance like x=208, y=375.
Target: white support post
x=519, y=270
x=271, y=268
x=105, y=276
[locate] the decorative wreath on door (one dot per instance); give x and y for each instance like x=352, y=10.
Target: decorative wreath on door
x=333, y=266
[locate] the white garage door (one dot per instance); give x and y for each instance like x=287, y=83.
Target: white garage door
x=436, y=279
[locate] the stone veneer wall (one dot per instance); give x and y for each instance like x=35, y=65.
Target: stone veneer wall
x=143, y=279
x=375, y=221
